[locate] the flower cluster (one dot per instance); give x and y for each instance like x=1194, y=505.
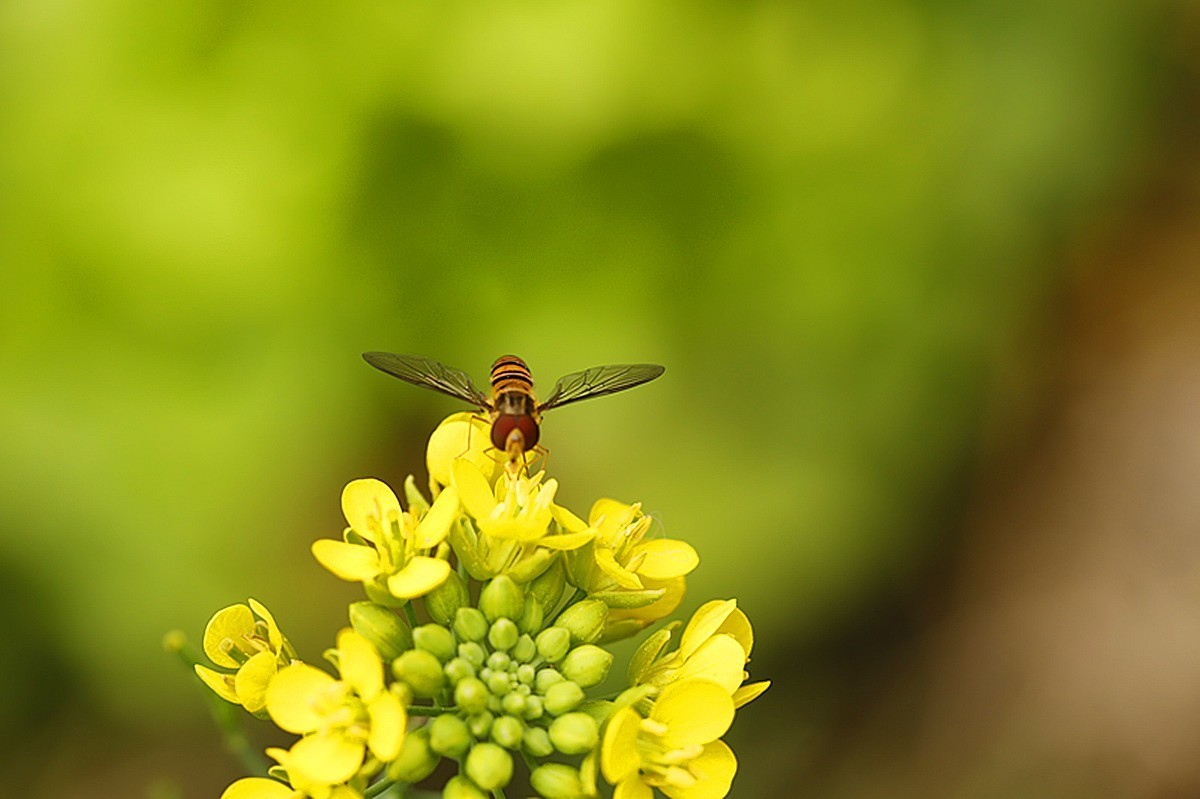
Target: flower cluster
x=488, y=609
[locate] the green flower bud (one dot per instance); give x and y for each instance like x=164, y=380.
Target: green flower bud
x=502, y=599
x=420, y=670
x=499, y=661
x=416, y=760
x=494, y=704
x=444, y=601
x=556, y=781
x=587, y=665
x=599, y=709
x=526, y=673
x=471, y=695
x=537, y=742
x=499, y=683
x=513, y=704
x=382, y=628
x=534, y=708
x=503, y=635
x=489, y=766
x=562, y=697
x=458, y=670
x=533, y=615
x=416, y=500
x=473, y=653
x=525, y=649
x=584, y=620
x=480, y=724
x=574, y=733
x=470, y=624
x=522, y=689
x=450, y=736
x=545, y=678
x=548, y=586
x=436, y=640
x=462, y=788
x=508, y=732
x=553, y=643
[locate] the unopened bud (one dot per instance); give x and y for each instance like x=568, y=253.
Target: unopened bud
x=449, y=736
x=416, y=760
x=462, y=788
x=584, y=620
x=513, y=704
x=562, y=697
x=436, y=640
x=545, y=678
x=525, y=649
x=503, y=635
x=534, y=708
x=548, y=586
x=420, y=670
x=489, y=766
x=472, y=653
x=574, y=733
x=444, y=601
x=587, y=665
x=382, y=628
x=556, y=781
x=533, y=615
x=502, y=599
x=537, y=742
x=470, y=624
x=471, y=695
x=553, y=643
x=480, y=724
x=508, y=732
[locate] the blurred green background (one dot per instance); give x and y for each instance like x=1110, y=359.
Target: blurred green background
x=847, y=229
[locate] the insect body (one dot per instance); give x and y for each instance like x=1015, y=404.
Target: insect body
x=513, y=408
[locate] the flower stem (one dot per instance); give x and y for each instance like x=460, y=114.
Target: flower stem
x=430, y=710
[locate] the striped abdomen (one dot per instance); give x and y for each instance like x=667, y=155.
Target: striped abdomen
x=509, y=373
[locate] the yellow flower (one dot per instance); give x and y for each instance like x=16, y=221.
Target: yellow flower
x=341, y=720
x=641, y=581
x=675, y=749
x=263, y=788
x=512, y=524
x=256, y=649
x=462, y=435
x=387, y=549
x=715, y=645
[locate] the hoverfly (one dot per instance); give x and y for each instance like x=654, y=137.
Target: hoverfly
x=512, y=408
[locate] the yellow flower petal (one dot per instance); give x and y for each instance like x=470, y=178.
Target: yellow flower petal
x=611, y=515
x=608, y=564
x=326, y=759
x=473, y=490
x=359, y=664
x=388, y=722
x=353, y=562
x=234, y=623
x=252, y=679
x=461, y=435
x=663, y=558
x=273, y=633
x=221, y=684
x=293, y=694
x=661, y=607
x=569, y=521
x=259, y=788
x=714, y=771
x=418, y=577
x=522, y=529
x=433, y=528
x=694, y=712
x=704, y=623
x=633, y=788
x=567, y=541
x=738, y=625
x=750, y=692
x=720, y=659
x=370, y=506
x=619, y=756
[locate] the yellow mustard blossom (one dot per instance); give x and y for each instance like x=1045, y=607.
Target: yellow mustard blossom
x=511, y=530
x=676, y=748
x=341, y=720
x=715, y=645
x=462, y=435
x=641, y=580
x=389, y=550
x=263, y=788
x=257, y=650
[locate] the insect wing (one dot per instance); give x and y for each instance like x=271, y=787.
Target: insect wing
x=598, y=381
x=428, y=373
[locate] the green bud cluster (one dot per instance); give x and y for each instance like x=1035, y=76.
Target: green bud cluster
x=503, y=685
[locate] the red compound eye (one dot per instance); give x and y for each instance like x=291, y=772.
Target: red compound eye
x=506, y=423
